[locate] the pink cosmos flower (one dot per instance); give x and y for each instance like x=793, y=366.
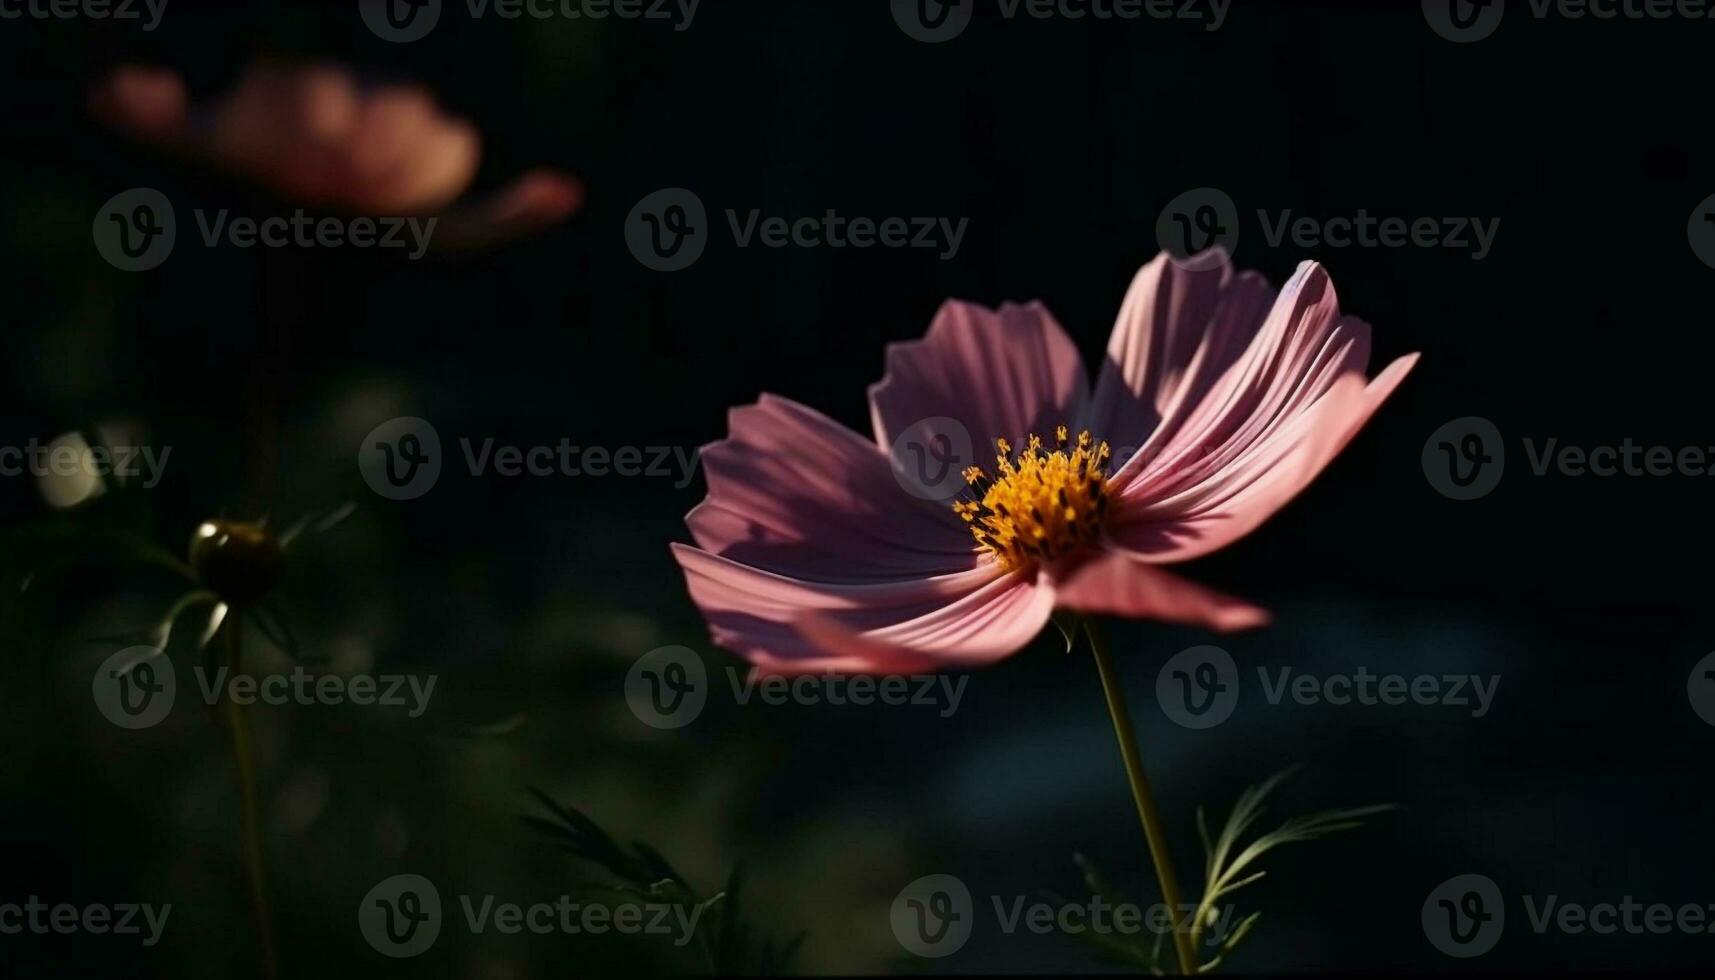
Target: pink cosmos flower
x=813, y=553
x=316, y=135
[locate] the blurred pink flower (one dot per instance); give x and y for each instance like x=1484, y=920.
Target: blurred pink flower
x=314, y=136
x=812, y=556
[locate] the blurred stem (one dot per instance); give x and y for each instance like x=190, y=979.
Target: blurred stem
x=250, y=815
x=1152, y=830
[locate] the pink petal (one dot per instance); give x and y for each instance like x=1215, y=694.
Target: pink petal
x=987, y=625
x=1301, y=348
x=796, y=493
x=1001, y=374
x=1115, y=583
x=787, y=625
x=1177, y=332
x=1234, y=500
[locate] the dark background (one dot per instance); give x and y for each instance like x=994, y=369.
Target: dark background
x=1060, y=141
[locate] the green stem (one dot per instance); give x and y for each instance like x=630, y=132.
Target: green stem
x=1152, y=830
x=250, y=814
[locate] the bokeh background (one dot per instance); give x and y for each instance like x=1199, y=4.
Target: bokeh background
x=1060, y=140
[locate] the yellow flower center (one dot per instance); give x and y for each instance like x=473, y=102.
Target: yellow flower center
x=1041, y=504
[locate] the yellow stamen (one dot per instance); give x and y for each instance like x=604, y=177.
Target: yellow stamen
x=1041, y=505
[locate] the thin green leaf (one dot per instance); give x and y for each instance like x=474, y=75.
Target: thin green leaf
x=1228, y=865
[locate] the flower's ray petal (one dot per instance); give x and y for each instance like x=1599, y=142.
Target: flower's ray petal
x=1178, y=330
x=786, y=625
x=1115, y=583
x=1303, y=347
x=989, y=624
x=1000, y=373
x=1235, y=500
x=794, y=492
